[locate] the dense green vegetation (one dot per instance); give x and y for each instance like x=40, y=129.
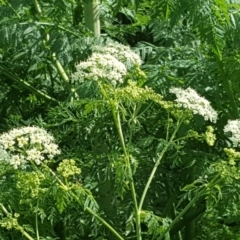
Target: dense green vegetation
x=139, y=158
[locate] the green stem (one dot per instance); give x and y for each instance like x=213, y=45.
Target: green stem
x=36, y=222
x=91, y=16
x=58, y=26
x=167, y=135
x=60, y=68
x=9, y=4
x=37, y=7
x=156, y=166
x=55, y=60
x=27, y=85
x=117, y=121
x=116, y=116
x=185, y=137
x=18, y=227
x=228, y=88
x=189, y=205
x=107, y=225
x=133, y=116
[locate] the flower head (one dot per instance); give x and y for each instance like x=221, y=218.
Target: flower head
x=28, y=144
x=232, y=129
x=189, y=99
x=100, y=67
x=121, y=52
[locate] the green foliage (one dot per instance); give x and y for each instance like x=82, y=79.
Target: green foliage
x=112, y=138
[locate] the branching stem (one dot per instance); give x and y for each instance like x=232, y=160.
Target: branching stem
x=59, y=67
x=95, y=215
x=18, y=227
x=188, y=206
x=117, y=120
x=27, y=86
x=157, y=164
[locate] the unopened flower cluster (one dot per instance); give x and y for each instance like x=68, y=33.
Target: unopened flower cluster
x=232, y=129
x=100, y=67
x=68, y=168
x=28, y=144
x=189, y=99
x=209, y=136
x=121, y=52
x=232, y=154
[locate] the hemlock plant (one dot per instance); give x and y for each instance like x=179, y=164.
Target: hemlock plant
x=33, y=146
x=139, y=158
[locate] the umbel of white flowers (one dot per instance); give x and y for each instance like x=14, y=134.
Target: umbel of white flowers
x=190, y=100
x=27, y=144
x=121, y=52
x=100, y=67
x=232, y=130
x=107, y=63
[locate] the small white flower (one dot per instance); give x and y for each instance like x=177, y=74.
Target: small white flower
x=22, y=141
x=189, y=99
x=6, y=142
x=232, y=129
x=34, y=154
x=51, y=149
x=17, y=161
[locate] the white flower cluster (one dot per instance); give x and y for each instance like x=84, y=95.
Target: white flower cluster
x=28, y=144
x=233, y=129
x=189, y=99
x=100, y=67
x=121, y=52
